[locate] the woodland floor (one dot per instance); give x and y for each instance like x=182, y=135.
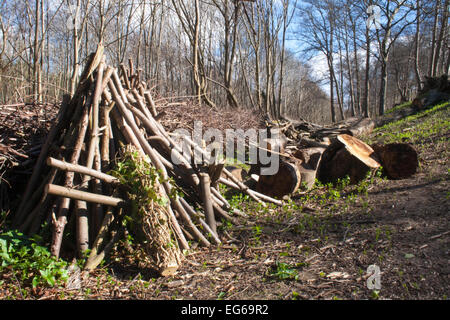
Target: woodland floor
x=318, y=246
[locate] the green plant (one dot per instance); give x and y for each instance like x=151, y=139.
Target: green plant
x=30, y=261
x=375, y=294
x=221, y=295
x=237, y=200
x=131, y=169
x=377, y=234
x=284, y=271
x=425, y=124
x=399, y=107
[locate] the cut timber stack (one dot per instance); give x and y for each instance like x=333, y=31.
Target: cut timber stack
x=330, y=153
x=70, y=188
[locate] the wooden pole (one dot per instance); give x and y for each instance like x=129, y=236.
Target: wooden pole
x=207, y=201
x=82, y=195
x=65, y=166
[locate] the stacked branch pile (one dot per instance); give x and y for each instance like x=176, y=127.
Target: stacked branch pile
x=112, y=111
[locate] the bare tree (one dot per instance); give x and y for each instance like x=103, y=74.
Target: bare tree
x=191, y=26
x=396, y=15
x=78, y=29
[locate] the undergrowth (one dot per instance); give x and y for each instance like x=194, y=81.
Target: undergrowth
x=23, y=258
x=417, y=128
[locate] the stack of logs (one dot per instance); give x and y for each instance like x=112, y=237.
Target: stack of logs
x=310, y=152
x=70, y=188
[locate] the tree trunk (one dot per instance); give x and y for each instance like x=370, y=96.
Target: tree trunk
x=383, y=87
x=443, y=31
x=310, y=160
x=365, y=102
x=417, y=47
x=433, y=54
x=37, y=72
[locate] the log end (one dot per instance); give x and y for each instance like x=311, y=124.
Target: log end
x=360, y=150
x=340, y=165
x=286, y=181
x=399, y=160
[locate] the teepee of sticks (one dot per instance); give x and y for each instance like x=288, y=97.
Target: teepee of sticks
x=70, y=188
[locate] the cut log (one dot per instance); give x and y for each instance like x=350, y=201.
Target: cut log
x=239, y=173
x=362, y=127
x=160, y=246
x=346, y=156
x=360, y=150
x=310, y=159
x=286, y=181
x=399, y=160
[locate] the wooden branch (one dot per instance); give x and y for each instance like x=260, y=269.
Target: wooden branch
x=97, y=187
x=82, y=195
x=193, y=213
x=97, y=259
x=149, y=100
x=82, y=227
x=37, y=213
x=224, y=214
x=62, y=165
x=216, y=193
x=61, y=221
x=262, y=196
x=105, y=138
x=125, y=76
x=205, y=183
x=108, y=219
x=141, y=104
x=31, y=186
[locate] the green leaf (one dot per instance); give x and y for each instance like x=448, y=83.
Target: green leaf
x=35, y=282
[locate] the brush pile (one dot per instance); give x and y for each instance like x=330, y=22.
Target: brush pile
x=23, y=128
x=79, y=188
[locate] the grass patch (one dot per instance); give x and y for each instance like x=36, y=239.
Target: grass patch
x=399, y=107
x=417, y=128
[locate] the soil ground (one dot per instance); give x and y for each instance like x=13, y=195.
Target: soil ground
x=318, y=246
